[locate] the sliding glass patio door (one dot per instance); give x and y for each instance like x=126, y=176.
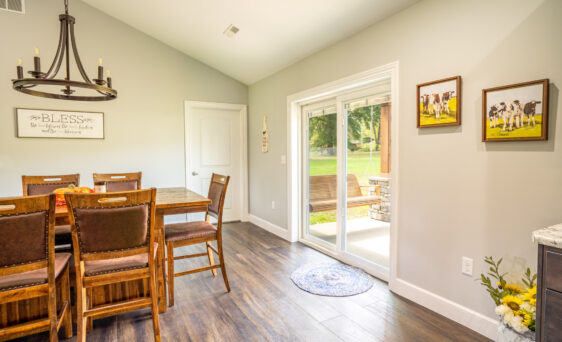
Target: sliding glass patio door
x=346, y=153
x=321, y=172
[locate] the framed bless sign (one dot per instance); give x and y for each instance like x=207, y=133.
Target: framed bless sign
x=42, y=123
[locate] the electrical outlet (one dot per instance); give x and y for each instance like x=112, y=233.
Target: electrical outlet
x=272, y=204
x=283, y=160
x=467, y=266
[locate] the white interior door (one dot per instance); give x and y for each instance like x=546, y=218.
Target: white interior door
x=215, y=144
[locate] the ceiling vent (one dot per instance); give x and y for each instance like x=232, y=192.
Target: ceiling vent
x=12, y=6
x=231, y=31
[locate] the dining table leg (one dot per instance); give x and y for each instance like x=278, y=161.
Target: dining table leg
x=161, y=264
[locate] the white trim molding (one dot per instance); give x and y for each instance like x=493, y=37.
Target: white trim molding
x=270, y=227
x=243, y=112
x=445, y=307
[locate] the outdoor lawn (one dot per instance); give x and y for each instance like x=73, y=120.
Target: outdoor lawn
x=362, y=164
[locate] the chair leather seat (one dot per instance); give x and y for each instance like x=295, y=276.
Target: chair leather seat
x=96, y=267
x=189, y=230
x=36, y=277
x=62, y=235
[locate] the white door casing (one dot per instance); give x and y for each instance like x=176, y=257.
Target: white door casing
x=216, y=142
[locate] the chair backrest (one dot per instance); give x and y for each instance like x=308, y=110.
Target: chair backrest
x=112, y=225
x=119, y=181
x=27, y=230
x=217, y=194
x=43, y=185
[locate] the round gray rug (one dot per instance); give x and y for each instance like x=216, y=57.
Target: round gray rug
x=332, y=279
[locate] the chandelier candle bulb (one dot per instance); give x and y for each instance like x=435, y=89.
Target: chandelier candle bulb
x=109, y=83
x=19, y=70
x=37, y=61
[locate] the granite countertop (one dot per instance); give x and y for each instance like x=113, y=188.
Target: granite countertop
x=550, y=236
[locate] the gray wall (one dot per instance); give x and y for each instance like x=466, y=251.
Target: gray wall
x=144, y=126
x=458, y=196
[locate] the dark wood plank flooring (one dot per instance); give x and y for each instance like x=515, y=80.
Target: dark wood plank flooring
x=265, y=305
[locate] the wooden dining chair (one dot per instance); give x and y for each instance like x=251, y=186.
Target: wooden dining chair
x=44, y=185
x=190, y=233
x=29, y=267
x=113, y=241
x=119, y=181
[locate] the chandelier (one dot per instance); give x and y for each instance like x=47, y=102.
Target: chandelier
x=99, y=89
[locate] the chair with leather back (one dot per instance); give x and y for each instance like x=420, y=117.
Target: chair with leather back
x=190, y=233
x=44, y=185
x=119, y=181
x=29, y=266
x=113, y=241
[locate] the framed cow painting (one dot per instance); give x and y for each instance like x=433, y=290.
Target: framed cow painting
x=517, y=112
x=439, y=103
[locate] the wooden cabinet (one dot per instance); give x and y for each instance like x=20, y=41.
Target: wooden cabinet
x=549, y=295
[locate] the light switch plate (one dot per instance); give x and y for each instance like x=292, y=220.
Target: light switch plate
x=467, y=266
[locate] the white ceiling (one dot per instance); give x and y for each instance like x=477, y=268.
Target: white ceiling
x=273, y=33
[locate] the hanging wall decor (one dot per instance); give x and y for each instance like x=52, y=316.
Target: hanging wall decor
x=43, y=123
x=439, y=103
x=516, y=112
x=264, y=136
x=46, y=84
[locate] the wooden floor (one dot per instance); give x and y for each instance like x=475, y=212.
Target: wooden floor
x=265, y=305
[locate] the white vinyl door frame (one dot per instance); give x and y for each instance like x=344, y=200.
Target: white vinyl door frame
x=243, y=118
x=295, y=181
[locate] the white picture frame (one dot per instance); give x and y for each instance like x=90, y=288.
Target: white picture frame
x=61, y=124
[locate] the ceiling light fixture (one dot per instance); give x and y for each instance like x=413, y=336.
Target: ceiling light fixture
x=39, y=78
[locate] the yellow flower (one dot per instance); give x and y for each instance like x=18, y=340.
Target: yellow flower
x=530, y=296
x=512, y=302
x=513, y=288
x=526, y=317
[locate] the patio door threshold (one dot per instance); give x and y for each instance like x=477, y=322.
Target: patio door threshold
x=373, y=269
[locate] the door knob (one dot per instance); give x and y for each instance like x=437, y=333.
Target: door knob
x=194, y=173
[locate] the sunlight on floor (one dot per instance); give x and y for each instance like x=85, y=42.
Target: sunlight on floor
x=366, y=238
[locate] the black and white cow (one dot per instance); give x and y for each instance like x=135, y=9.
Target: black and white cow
x=494, y=116
x=513, y=114
x=529, y=111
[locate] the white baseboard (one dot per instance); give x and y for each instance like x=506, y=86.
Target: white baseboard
x=270, y=227
x=469, y=318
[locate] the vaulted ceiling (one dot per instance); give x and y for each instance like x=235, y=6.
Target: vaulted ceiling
x=273, y=34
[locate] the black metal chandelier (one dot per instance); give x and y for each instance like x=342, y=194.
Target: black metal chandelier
x=101, y=89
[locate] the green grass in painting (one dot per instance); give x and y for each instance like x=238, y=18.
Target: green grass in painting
x=525, y=131
x=430, y=119
x=362, y=164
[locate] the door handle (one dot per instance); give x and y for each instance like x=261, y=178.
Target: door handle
x=194, y=173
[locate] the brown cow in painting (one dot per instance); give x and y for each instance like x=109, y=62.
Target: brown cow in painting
x=425, y=103
x=435, y=101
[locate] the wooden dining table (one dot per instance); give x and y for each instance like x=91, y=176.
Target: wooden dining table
x=169, y=201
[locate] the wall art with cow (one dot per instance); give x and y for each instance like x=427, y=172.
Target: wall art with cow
x=439, y=103
x=515, y=112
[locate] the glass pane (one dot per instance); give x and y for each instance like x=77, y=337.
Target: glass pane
x=322, y=173
x=367, y=232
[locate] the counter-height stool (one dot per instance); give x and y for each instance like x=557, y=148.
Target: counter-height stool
x=113, y=241
x=119, y=181
x=44, y=185
x=29, y=266
x=190, y=233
